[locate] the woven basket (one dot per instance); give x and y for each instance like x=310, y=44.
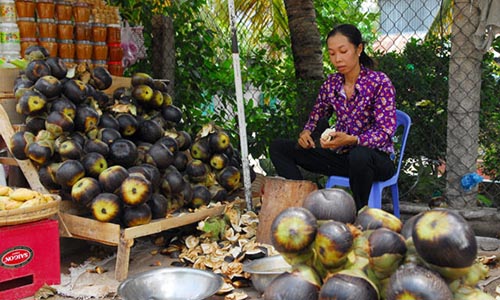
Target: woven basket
x=30, y=214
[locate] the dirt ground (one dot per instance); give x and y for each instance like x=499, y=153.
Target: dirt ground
x=492, y=284
x=489, y=248
x=87, y=284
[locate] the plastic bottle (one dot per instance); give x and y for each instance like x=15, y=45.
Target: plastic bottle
x=10, y=42
x=7, y=11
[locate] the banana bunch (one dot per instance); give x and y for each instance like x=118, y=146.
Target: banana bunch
x=21, y=197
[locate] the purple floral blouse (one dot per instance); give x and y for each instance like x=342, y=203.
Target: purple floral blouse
x=370, y=114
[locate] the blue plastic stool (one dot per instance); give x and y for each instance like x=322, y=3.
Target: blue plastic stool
x=375, y=199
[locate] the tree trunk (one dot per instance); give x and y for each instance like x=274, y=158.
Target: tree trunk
x=163, y=46
x=463, y=104
x=279, y=194
x=307, y=53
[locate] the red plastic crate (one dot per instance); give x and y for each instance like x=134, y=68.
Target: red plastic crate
x=29, y=258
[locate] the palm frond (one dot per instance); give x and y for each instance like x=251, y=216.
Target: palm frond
x=441, y=25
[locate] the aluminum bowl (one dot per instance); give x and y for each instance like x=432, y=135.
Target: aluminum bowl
x=171, y=283
x=263, y=270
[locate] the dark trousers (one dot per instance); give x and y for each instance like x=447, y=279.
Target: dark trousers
x=362, y=165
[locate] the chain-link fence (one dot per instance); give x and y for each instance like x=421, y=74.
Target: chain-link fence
x=443, y=82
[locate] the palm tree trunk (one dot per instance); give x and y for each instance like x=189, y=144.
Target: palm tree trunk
x=163, y=50
x=463, y=104
x=307, y=53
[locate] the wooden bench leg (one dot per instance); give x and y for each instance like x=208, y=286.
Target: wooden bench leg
x=123, y=259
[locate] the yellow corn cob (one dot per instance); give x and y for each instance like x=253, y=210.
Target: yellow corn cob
x=46, y=198
x=3, y=201
x=31, y=202
x=23, y=194
x=12, y=204
x=5, y=190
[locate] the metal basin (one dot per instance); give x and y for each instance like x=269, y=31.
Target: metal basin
x=263, y=270
x=173, y=283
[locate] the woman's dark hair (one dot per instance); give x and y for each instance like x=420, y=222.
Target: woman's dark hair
x=354, y=36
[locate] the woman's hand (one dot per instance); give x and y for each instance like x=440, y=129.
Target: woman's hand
x=305, y=140
x=338, y=139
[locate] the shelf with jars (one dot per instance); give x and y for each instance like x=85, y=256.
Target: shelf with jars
x=75, y=30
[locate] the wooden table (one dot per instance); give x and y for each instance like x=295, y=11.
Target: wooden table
x=75, y=226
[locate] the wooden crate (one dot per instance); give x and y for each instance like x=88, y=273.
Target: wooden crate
x=8, y=101
x=8, y=76
x=75, y=226
x=28, y=169
x=118, y=81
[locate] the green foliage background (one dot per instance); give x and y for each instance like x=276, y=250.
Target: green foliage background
x=204, y=76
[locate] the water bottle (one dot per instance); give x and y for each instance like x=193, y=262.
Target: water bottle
x=10, y=45
x=10, y=41
x=7, y=11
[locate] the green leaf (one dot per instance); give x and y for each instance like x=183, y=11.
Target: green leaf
x=215, y=227
x=484, y=200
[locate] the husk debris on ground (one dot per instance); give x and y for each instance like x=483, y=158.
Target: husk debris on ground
x=218, y=244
